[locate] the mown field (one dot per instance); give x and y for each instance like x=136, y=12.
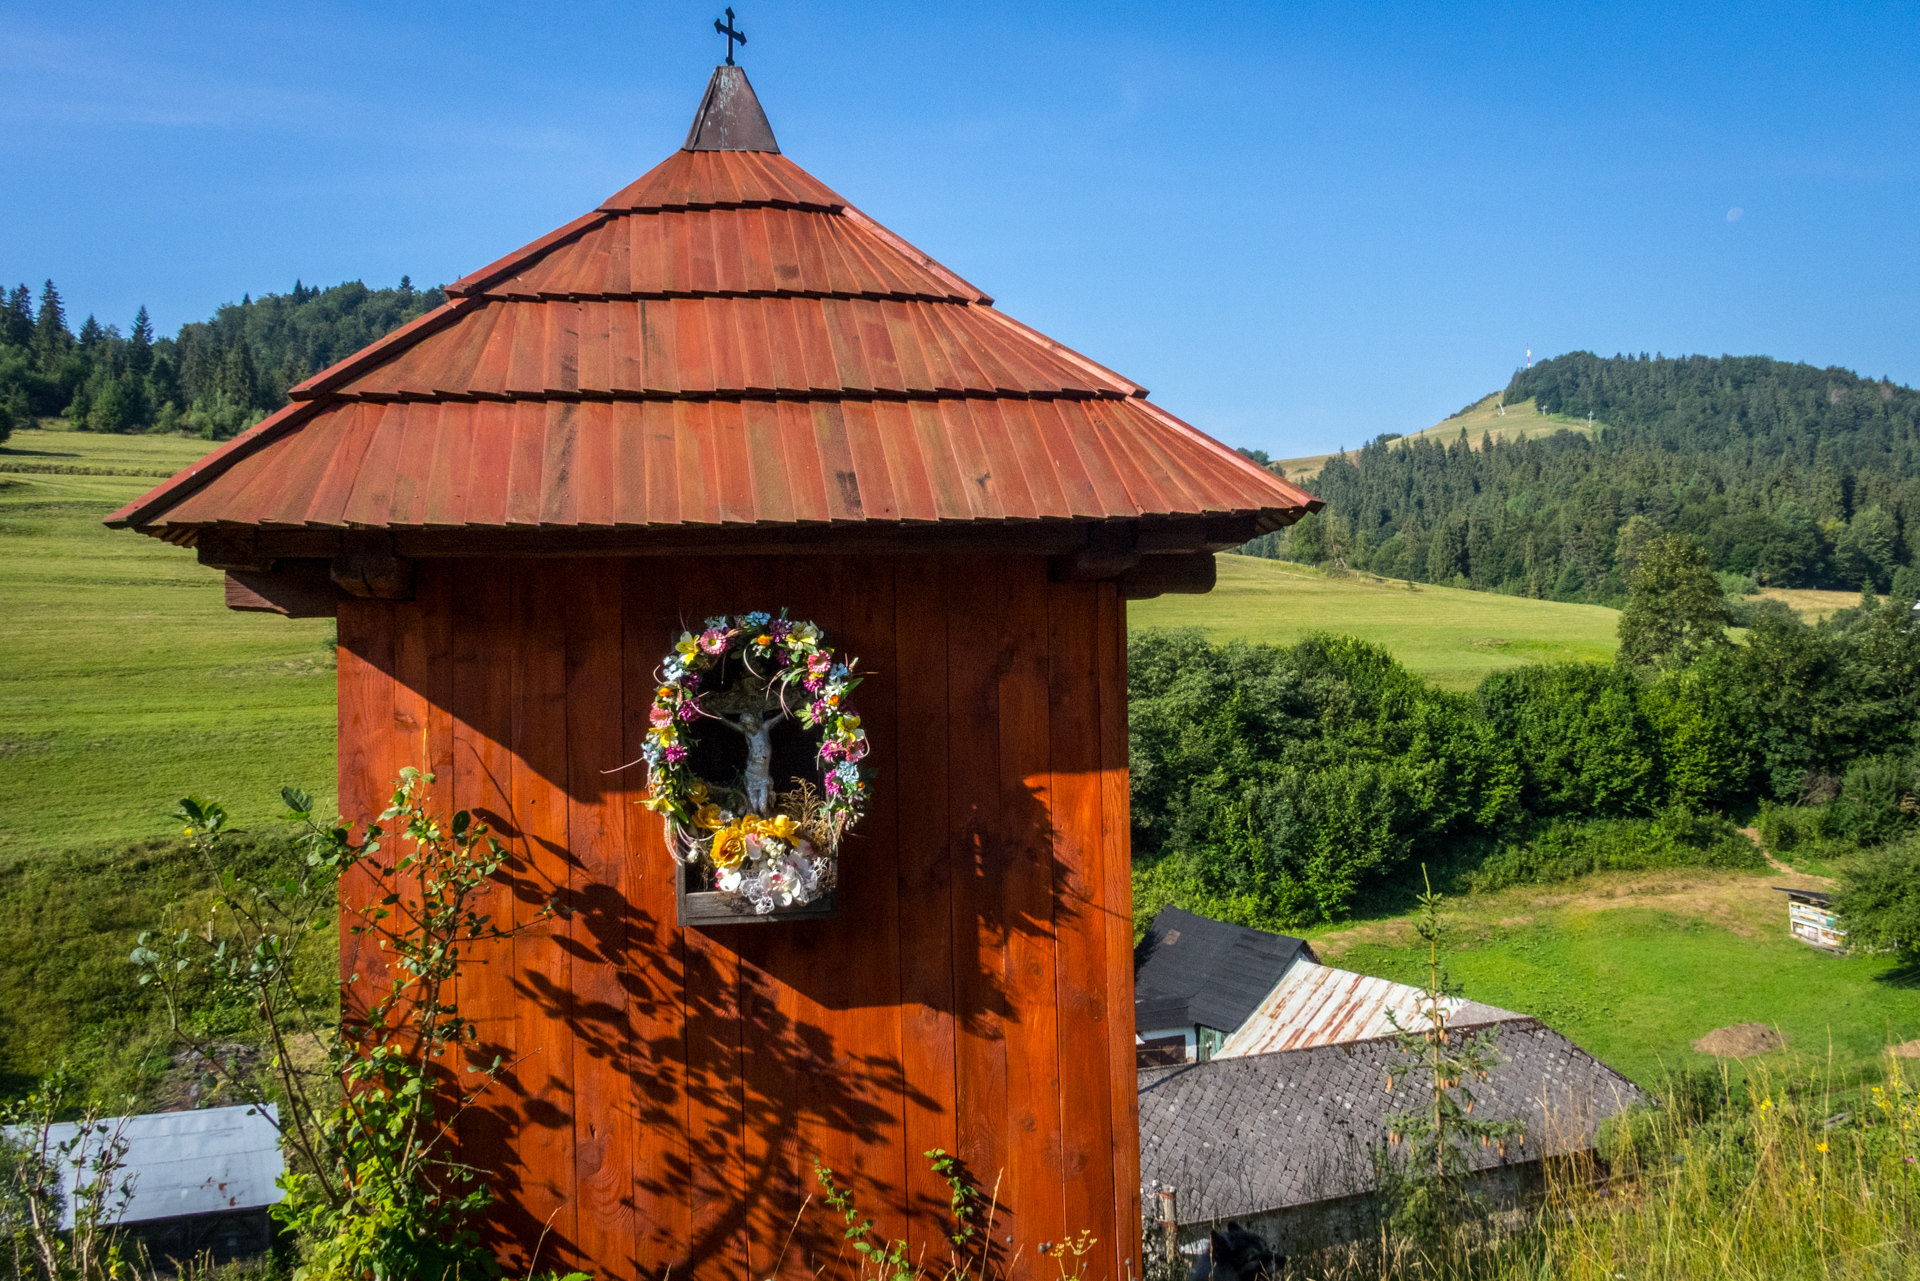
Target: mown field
x=1636, y=966
x=1451, y=637
x=1485, y=417
x=125, y=682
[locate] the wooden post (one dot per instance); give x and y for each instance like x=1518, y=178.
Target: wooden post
x=1170, y=1224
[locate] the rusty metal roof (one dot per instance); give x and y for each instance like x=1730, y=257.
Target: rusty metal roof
x=725, y=341
x=1320, y=1005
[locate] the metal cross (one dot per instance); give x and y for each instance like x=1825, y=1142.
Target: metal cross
x=726, y=29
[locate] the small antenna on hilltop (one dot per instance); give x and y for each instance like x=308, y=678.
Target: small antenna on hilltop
x=726, y=29
x=1529, y=345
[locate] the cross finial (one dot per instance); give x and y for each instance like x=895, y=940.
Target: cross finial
x=726, y=29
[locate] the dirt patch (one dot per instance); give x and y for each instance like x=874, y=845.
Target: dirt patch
x=1741, y=1041
x=1905, y=1050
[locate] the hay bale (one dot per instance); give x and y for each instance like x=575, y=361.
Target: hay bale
x=1741, y=1041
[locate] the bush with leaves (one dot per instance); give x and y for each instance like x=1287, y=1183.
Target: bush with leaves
x=366, y=1110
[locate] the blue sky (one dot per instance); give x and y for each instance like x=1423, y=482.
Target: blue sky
x=1300, y=225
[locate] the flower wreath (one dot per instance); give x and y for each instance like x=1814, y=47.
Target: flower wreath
x=772, y=849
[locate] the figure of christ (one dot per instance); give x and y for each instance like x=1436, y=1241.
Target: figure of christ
x=751, y=721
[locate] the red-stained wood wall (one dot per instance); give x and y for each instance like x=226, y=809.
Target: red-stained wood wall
x=670, y=1089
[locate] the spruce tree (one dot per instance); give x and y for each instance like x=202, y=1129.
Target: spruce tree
x=140, y=343
x=51, y=341
x=16, y=320
x=1427, y=1197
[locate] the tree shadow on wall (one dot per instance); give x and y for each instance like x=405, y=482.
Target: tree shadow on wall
x=707, y=1069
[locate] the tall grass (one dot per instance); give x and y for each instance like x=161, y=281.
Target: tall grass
x=1776, y=1179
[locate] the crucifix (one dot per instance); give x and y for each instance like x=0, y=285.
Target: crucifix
x=751, y=702
x=726, y=29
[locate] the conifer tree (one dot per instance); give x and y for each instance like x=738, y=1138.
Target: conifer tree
x=16, y=321
x=140, y=342
x=51, y=341
x=1427, y=1195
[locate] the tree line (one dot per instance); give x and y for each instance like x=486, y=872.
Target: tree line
x=1786, y=474
x=1279, y=785
x=214, y=378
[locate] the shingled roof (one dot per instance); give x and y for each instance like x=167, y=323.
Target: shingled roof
x=1194, y=970
x=725, y=342
x=1241, y=1136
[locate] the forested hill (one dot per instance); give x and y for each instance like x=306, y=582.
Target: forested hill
x=1788, y=474
x=214, y=378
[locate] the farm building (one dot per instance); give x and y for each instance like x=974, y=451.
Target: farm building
x=1284, y=1143
x=1204, y=989
x=199, y=1182
x=726, y=392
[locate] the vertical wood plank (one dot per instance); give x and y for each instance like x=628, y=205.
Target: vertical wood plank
x=715, y=1090
x=925, y=879
x=1116, y=860
x=845, y=974
x=1035, y=1169
x=604, y=1149
x=976, y=655
x=662, y=1177
x=482, y=772
x=542, y=978
x=364, y=684
x=1081, y=918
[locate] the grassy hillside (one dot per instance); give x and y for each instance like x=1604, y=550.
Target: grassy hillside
x=1451, y=637
x=1635, y=967
x=1486, y=416
x=125, y=682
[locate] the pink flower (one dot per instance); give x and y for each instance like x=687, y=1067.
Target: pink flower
x=661, y=716
x=688, y=711
x=676, y=753
x=714, y=641
x=833, y=784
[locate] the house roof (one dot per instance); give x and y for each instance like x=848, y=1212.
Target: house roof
x=1193, y=970
x=209, y=1161
x=1240, y=1136
x=1321, y=1005
x=724, y=342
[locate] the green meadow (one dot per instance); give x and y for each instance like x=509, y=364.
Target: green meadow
x=1451, y=637
x=125, y=682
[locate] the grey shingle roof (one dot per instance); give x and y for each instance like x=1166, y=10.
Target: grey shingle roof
x=1244, y=1135
x=1190, y=969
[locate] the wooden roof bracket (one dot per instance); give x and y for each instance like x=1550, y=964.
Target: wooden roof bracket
x=1188, y=574
x=295, y=589
x=366, y=566
x=1111, y=550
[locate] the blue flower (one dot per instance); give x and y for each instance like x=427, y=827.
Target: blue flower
x=758, y=618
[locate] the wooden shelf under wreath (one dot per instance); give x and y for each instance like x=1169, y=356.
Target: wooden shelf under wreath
x=697, y=904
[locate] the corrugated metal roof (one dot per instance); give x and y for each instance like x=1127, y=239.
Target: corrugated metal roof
x=725, y=341
x=1192, y=969
x=1321, y=1005
x=209, y=1161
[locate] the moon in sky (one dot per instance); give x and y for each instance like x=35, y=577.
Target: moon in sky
x=1734, y=214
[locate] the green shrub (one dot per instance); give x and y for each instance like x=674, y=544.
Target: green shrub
x=1563, y=850
x=1879, y=897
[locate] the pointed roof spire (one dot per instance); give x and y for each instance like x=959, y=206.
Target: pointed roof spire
x=730, y=118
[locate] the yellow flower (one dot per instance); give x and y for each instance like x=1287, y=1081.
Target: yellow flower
x=779, y=826
x=709, y=817
x=729, y=847
x=1819, y=1147
x=848, y=724
x=698, y=792
x=687, y=646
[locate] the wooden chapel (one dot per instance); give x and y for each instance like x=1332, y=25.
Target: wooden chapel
x=727, y=389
